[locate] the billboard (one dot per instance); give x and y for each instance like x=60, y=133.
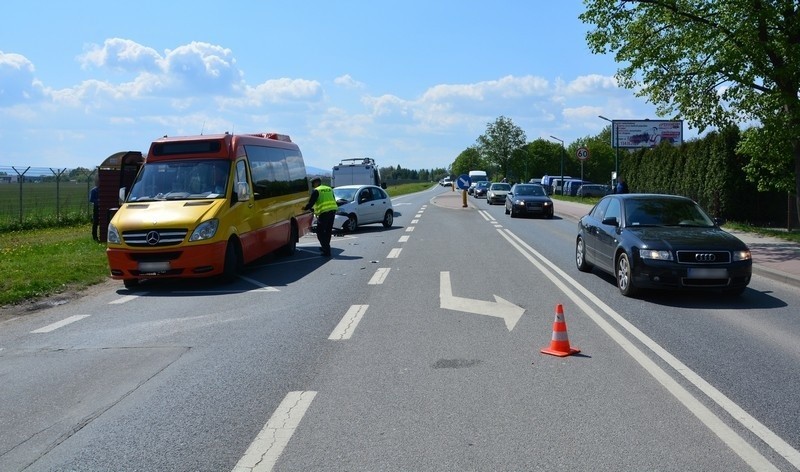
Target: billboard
x=646, y=133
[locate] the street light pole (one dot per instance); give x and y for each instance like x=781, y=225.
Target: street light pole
x=562, y=163
x=615, y=144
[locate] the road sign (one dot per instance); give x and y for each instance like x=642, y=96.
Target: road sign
x=463, y=181
x=582, y=153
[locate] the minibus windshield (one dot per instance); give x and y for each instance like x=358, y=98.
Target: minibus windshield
x=181, y=180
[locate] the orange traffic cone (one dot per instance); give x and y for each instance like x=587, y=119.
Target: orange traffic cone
x=559, y=344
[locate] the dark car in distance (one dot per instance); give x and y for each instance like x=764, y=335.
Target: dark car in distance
x=661, y=241
x=528, y=200
x=480, y=189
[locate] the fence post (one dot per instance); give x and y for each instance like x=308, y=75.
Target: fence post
x=20, y=178
x=58, y=173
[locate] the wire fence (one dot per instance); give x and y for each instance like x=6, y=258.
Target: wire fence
x=44, y=193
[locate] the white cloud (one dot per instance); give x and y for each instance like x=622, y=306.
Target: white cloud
x=121, y=54
x=17, y=82
x=348, y=82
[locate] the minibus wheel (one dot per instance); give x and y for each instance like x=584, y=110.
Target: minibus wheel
x=291, y=246
x=233, y=260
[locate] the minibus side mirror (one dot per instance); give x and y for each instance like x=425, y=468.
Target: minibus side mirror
x=242, y=192
x=122, y=195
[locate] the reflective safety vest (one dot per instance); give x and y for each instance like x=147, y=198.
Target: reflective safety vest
x=325, y=200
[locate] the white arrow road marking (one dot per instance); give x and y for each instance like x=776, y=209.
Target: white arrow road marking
x=500, y=308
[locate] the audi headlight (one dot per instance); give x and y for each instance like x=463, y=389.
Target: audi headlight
x=205, y=230
x=654, y=254
x=547, y=204
x=741, y=256
x=113, y=235
x=519, y=202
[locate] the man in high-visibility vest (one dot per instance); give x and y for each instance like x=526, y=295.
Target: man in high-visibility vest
x=324, y=204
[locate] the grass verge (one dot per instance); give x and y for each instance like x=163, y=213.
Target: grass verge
x=43, y=262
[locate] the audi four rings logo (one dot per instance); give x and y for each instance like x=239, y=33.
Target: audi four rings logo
x=699, y=257
x=153, y=238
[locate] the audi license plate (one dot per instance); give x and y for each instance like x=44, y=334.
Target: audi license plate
x=153, y=266
x=707, y=273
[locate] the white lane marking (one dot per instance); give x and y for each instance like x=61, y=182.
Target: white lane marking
x=413, y=222
x=264, y=287
x=486, y=215
x=403, y=239
x=379, y=277
x=59, y=324
x=712, y=422
x=394, y=253
x=126, y=298
x=268, y=445
x=348, y=323
x=418, y=215
x=409, y=229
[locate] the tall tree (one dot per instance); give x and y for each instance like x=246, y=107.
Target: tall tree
x=715, y=63
x=469, y=159
x=500, y=141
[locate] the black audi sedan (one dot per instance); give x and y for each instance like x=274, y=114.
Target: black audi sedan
x=660, y=241
x=528, y=199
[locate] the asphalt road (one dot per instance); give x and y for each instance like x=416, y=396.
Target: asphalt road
x=396, y=354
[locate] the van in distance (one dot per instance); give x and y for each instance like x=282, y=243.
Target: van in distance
x=356, y=171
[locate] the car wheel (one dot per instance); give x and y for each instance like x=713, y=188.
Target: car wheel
x=507, y=211
x=130, y=284
x=388, y=219
x=625, y=276
x=233, y=261
x=580, y=256
x=351, y=224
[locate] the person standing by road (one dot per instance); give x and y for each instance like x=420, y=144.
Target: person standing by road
x=324, y=205
x=94, y=199
x=622, y=186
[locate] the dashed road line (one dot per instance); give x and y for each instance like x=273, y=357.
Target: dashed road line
x=394, y=253
x=59, y=324
x=348, y=323
x=266, y=448
x=379, y=276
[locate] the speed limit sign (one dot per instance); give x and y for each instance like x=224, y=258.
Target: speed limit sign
x=582, y=153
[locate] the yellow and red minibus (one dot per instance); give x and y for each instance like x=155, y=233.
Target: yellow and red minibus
x=206, y=205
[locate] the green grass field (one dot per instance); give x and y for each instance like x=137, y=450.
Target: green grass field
x=34, y=205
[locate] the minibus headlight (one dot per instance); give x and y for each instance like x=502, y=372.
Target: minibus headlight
x=113, y=235
x=206, y=230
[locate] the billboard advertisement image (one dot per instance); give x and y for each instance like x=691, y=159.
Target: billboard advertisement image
x=646, y=133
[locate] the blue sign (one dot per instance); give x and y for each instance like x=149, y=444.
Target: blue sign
x=463, y=181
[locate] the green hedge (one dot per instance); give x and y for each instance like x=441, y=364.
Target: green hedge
x=709, y=171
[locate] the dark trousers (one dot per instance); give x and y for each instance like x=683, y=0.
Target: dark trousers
x=95, y=221
x=325, y=230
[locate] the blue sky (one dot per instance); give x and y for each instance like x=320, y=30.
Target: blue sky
x=410, y=83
